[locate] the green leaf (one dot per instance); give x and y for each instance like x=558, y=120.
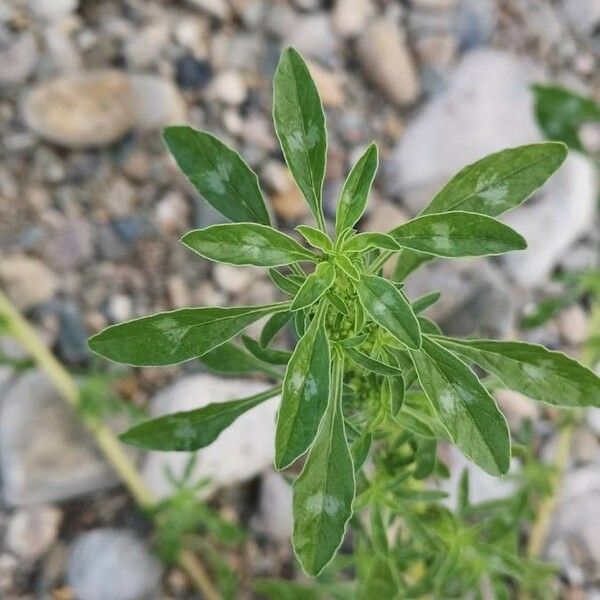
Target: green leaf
x=246, y=244
x=218, y=173
x=380, y=581
x=273, y=326
x=360, y=450
x=345, y=264
x=231, y=359
x=314, y=286
x=459, y=233
x=324, y=491
x=371, y=364
x=424, y=302
x=365, y=241
x=300, y=126
x=304, y=396
x=355, y=192
x=173, y=337
x=270, y=356
x=407, y=262
x=389, y=308
x=532, y=370
x=500, y=181
x=284, y=283
x=560, y=113
x=464, y=406
x=281, y=589
x=194, y=429
x=315, y=237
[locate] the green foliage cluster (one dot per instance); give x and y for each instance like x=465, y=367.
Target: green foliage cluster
x=372, y=385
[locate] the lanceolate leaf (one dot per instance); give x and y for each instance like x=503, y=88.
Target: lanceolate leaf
x=532, y=370
x=324, y=491
x=233, y=360
x=273, y=326
x=500, y=181
x=424, y=302
x=459, y=233
x=268, y=355
x=284, y=283
x=372, y=364
x=218, y=173
x=194, y=429
x=355, y=192
x=172, y=337
x=246, y=244
x=388, y=307
x=315, y=237
x=300, y=126
x=364, y=241
x=314, y=286
x=346, y=265
x=464, y=406
x=304, y=396
x=560, y=113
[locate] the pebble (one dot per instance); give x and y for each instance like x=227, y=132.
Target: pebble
x=112, y=564
x=18, y=59
x=386, y=60
x=573, y=325
x=119, y=198
x=290, y=205
x=157, y=103
x=233, y=280
x=52, y=10
x=313, y=36
x=32, y=530
x=275, y=517
x=350, y=17
x=80, y=111
x=172, y=213
x=72, y=335
x=216, y=8
x=119, y=308
x=240, y=452
x=584, y=15
x=329, y=84
x=45, y=454
x=229, y=87
x=27, y=281
x=192, y=72
x=475, y=22
x=517, y=408
x=71, y=246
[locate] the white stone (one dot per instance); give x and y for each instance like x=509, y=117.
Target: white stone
x=52, y=10
x=583, y=15
x=45, y=454
x=275, y=517
x=229, y=87
x=488, y=106
x=243, y=450
x=233, y=279
x=18, y=59
x=83, y=110
x=573, y=324
x=386, y=60
x=157, y=103
x=112, y=564
x=27, y=281
x=350, y=17
x=32, y=530
x=216, y=8
x=313, y=36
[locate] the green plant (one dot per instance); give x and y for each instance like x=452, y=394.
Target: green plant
x=370, y=377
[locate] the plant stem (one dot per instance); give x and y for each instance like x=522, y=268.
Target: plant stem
x=380, y=261
x=104, y=437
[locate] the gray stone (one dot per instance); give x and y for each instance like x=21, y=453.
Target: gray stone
x=275, y=517
x=584, y=15
x=475, y=22
x=241, y=452
x=32, y=530
x=52, y=10
x=313, y=36
x=112, y=564
x=157, y=103
x=18, y=59
x=83, y=110
x=487, y=107
x=27, y=281
x=476, y=298
x=71, y=245
x=45, y=454
x=349, y=17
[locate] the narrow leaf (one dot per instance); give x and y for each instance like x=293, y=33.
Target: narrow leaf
x=172, y=337
x=355, y=192
x=218, y=173
x=273, y=326
x=246, y=244
x=459, y=233
x=532, y=370
x=268, y=355
x=464, y=406
x=346, y=265
x=371, y=364
x=300, y=126
x=304, y=396
x=314, y=286
x=286, y=284
x=365, y=241
x=315, y=237
x=194, y=429
x=324, y=491
x=424, y=302
x=500, y=181
x=231, y=359
x=389, y=308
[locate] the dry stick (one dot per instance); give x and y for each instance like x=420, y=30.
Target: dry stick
x=105, y=439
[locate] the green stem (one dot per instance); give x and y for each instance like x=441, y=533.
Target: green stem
x=104, y=437
x=380, y=261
